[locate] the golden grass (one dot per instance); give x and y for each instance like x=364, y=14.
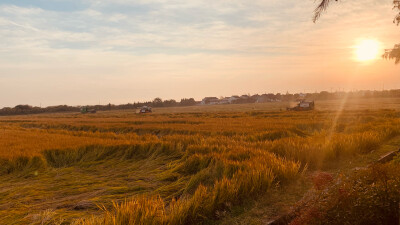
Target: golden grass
x=202, y=164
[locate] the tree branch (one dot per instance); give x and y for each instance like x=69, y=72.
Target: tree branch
x=323, y=5
x=393, y=54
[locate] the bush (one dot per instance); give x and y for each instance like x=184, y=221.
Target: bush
x=367, y=197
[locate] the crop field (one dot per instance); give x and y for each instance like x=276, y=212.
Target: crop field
x=175, y=166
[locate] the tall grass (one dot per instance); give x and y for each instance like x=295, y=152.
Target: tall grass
x=215, y=161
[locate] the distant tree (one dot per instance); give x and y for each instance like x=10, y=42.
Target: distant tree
x=369, y=94
x=389, y=53
x=22, y=108
x=278, y=96
x=326, y=95
x=169, y=103
x=271, y=96
x=187, y=102
x=157, y=102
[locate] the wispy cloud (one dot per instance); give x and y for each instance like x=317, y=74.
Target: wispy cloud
x=210, y=46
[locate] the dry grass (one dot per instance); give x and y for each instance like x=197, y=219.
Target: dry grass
x=171, y=168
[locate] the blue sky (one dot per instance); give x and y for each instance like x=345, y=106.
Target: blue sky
x=86, y=52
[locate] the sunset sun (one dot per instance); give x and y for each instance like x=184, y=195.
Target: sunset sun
x=367, y=50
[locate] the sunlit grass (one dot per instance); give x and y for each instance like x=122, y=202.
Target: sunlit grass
x=171, y=168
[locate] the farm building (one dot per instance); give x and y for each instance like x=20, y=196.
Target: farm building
x=209, y=100
x=233, y=98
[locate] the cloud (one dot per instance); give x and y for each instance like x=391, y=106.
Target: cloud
x=217, y=46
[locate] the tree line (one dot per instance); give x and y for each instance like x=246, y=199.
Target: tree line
x=158, y=102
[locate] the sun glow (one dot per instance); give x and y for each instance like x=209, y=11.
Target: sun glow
x=367, y=50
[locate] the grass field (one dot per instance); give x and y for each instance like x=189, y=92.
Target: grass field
x=183, y=165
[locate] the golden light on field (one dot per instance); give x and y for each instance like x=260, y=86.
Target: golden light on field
x=367, y=50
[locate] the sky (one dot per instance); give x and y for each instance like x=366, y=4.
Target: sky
x=90, y=51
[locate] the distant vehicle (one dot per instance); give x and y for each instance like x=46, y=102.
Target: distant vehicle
x=303, y=106
x=86, y=109
x=145, y=109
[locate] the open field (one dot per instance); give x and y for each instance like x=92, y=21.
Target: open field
x=182, y=165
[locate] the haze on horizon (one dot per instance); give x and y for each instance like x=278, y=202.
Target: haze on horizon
x=86, y=52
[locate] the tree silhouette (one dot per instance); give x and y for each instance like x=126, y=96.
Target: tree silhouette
x=187, y=102
x=157, y=102
x=323, y=5
x=396, y=4
x=393, y=54
x=389, y=53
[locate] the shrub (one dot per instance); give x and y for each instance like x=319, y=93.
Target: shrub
x=367, y=197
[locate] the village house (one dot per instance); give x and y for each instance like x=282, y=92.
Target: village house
x=209, y=101
x=233, y=98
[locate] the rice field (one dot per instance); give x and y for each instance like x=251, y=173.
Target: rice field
x=172, y=167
